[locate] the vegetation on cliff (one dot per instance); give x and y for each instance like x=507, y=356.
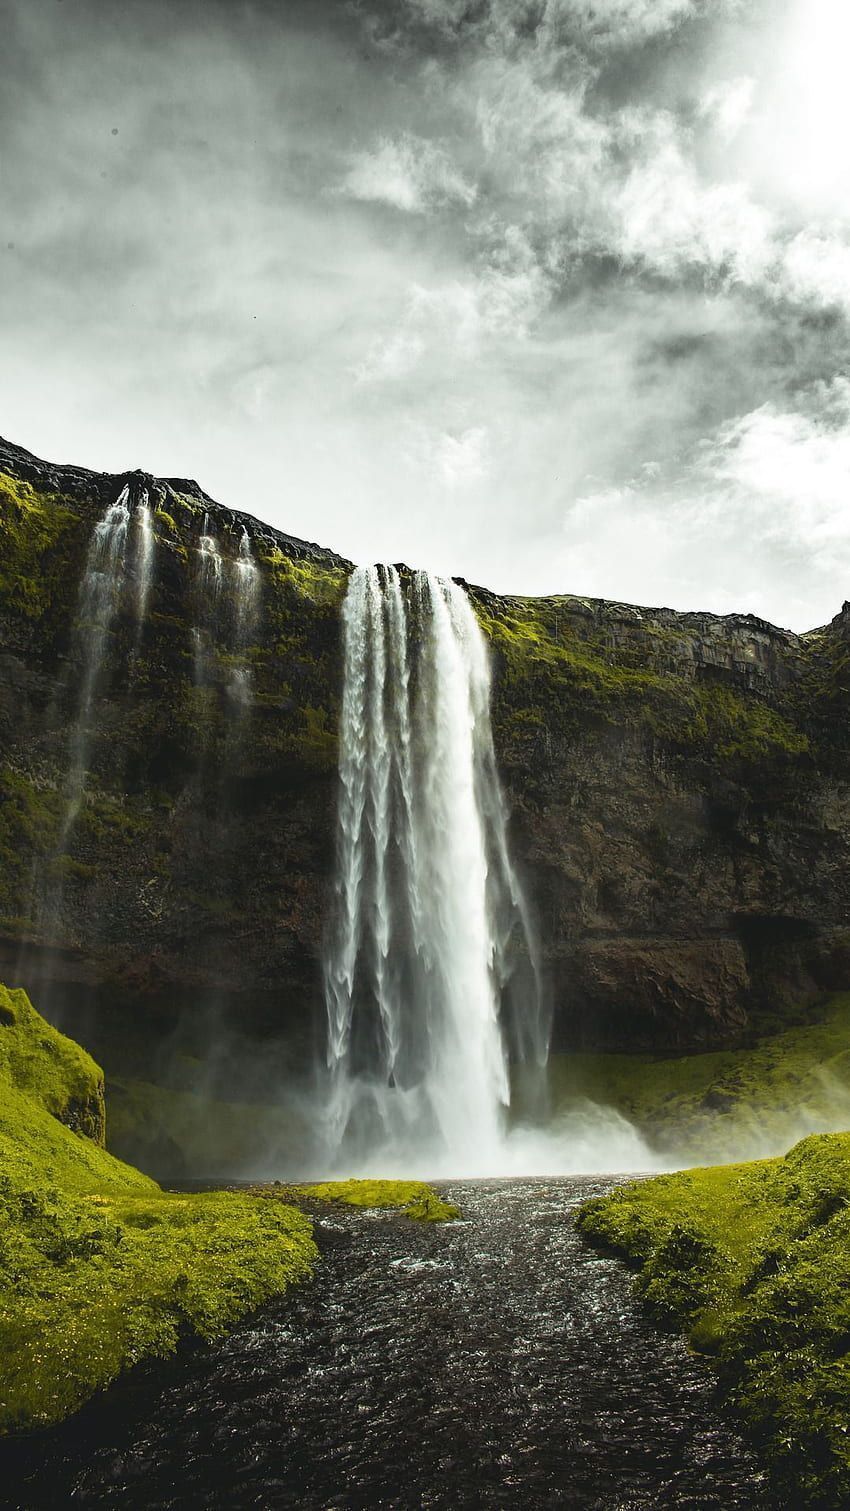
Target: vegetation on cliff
x=728, y=1104
x=752, y=1260
x=544, y=659
x=176, y=1132
x=35, y=531
x=677, y=784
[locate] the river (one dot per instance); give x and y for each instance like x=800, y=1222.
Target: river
x=492, y=1362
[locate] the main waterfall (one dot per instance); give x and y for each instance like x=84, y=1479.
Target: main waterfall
x=430, y=920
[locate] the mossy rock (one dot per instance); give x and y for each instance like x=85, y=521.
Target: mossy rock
x=413, y=1198
x=43, y=1064
x=98, y=1266
x=751, y=1259
x=34, y=530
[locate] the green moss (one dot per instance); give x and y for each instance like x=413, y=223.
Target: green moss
x=99, y=1282
x=165, y=520
x=413, y=1198
x=33, y=526
x=108, y=820
x=735, y=726
x=318, y=743
x=318, y=581
x=30, y=817
x=752, y=1260
x=42, y=1064
x=718, y=1106
x=563, y=677
x=98, y=1266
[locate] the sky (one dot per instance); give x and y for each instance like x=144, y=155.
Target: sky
x=553, y=295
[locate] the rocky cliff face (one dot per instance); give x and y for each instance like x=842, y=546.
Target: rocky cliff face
x=679, y=785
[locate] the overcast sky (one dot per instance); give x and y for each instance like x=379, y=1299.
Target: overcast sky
x=553, y=295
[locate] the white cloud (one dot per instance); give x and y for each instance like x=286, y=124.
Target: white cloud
x=549, y=262
x=462, y=459
x=499, y=302
x=816, y=269
x=665, y=217
x=619, y=23
x=789, y=474
x=727, y=106
x=409, y=174
x=625, y=22
x=764, y=500
x=391, y=357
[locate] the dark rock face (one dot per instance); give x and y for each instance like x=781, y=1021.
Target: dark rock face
x=679, y=785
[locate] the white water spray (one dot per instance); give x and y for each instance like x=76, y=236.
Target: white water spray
x=430, y=916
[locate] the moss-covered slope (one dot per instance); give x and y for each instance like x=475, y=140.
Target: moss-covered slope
x=98, y=1266
x=729, y=1104
x=753, y=1261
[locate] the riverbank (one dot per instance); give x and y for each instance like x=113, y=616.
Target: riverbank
x=99, y=1267
x=751, y=1261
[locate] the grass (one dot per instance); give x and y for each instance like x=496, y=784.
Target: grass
x=752, y=1260
x=729, y=1104
x=411, y=1197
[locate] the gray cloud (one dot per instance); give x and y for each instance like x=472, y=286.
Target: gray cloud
x=512, y=290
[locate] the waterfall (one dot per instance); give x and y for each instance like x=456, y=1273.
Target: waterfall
x=246, y=607
x=209, y=584
x=99, y=599
x=210, y=560
x=143, y=519
x=429, y=911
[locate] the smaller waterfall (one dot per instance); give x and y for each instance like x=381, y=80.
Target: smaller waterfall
x=209, y=589
x=144, y=554
x=430, y=915
x=99, y=599
x=210, y=560
x=246, y=608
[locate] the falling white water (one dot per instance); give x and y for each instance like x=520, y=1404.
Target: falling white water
x=209, y=584
x=143, y=520
x=246, y=608
x=428, y=903
x=210, y=560
x=98, y=604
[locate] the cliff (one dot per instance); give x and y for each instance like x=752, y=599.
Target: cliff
x=678, y=785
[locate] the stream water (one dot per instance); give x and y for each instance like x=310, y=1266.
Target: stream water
x=493, y=1362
